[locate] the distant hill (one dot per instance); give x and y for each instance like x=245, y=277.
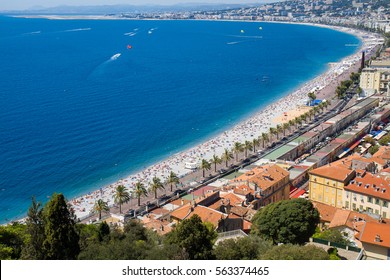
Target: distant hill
x=117, y=9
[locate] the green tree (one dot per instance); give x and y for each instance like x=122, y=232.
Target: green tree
x=121, y=196
x=156, y=185
x=205, y=165
x=285, y=127
x=286, y=221
x=33, y=249
x=264, y=138
x=227, y=156
x=12, y=240
x=296, y=252
x=245, y=248
x=61, y=238
x=237, y=148
x=194, y=237
x=273, y=131
x=384, y=140
x=173, y=180
x=215, y=160
x=373, y=149
x=247, y=146
x=312, y=96
x=100, y=205
x=139, y=191
x=255, y=143
x=332, y=235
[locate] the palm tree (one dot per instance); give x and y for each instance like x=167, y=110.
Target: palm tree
x=291, y=124
x=205, y=165
x=226, y=156
x=311, y=114
x=247, y=146
x=272, y=130
x=255, y=143
x=285, y=127
x=279, y=129
x=100, y=205
x=173, y=179
x=321, y=106
x=139, y=191
x=237, y=148
x=298, y=121
x=265, y=138
x=155, y=185
x=121, y=196
x=215, y=160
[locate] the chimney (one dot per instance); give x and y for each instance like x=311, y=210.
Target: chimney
x=182, y=202
x=377, y=238
x=161, y=227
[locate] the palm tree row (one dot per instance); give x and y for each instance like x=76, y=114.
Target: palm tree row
x=122, y=196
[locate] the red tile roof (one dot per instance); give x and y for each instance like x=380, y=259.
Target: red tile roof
x=371, y=185
x=374, y=233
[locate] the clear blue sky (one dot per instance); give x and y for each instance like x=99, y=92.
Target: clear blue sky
x=25, y=4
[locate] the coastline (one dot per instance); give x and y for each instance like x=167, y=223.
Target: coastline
x=247, y=129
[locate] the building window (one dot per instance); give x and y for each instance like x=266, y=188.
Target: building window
x=326, y=199
x=354, y=206
x=369, y=210
x=369, y=199
x=377, y=201
x=347, y=204
x=384, y=214
x=377, y=212
x=333, y=191
x=326, y=189
x=385, y=204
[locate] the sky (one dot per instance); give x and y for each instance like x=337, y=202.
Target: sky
x=25, y=4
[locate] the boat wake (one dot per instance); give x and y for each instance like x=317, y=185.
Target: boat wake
x=78, y=29
x=242, y=36
x=115, y=56
x=131, y=34
x=32, y=33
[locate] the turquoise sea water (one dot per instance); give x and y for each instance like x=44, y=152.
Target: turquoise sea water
x=80, y=109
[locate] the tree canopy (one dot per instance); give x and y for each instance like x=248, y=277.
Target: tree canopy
x=194, y=237
x=295, y=252
x=287, y=221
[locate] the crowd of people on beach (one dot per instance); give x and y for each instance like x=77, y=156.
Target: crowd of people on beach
x=245, y=131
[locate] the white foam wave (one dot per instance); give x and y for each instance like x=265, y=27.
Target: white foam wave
x=115, y=56
x=232, y=43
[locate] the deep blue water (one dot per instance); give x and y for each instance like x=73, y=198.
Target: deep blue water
x=72, y=119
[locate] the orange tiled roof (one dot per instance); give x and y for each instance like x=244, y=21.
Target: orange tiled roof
x=161, y=227
x=333, y=171
x=326, y=211
x=340, y=218
x=383, y=152
x=208, y=215
x=264, y=176
x=368, y=232
x=243, y=190
x=371, y=185
x=234, y=199
x=181, y=212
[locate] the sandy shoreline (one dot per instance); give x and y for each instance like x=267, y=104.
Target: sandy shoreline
x=248, y=129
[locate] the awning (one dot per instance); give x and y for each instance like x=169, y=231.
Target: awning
x=354, y=145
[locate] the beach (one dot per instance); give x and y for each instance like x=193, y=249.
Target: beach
x=291, y=105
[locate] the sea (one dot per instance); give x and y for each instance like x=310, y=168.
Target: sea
x=84, y=103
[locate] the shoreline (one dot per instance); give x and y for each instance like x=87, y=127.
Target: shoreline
x=246, y=128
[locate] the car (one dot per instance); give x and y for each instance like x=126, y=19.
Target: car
x=178, y=192
x=222, y=171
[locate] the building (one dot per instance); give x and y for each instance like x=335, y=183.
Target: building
x=369, y=193
x=375, y=239
x=270, y=183
x=326, y=183
x=370, y=81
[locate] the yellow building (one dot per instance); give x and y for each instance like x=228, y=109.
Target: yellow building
x=370, y=81
x=326, y=183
